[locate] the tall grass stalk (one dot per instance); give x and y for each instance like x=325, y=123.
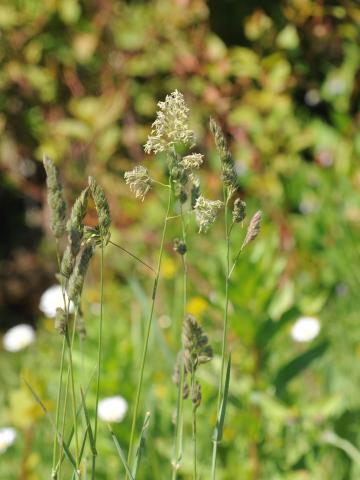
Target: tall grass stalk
x=62, y=358
x=225, y=327
x=70, y=343
x=98, y=373
x=148, y=329
x=179, y=420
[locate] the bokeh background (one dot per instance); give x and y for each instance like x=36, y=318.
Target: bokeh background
x=80, y=80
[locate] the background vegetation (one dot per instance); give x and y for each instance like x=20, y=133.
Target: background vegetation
x=80, y=81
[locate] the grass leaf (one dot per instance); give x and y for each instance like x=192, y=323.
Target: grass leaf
x=218, y=432
x=88, y=424
x=59, y=437
x=121, y=454
x=141, y=445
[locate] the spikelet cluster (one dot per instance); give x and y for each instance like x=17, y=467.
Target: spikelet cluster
x=239, y=211
x=192, y=161
x=55, y=196
x=253, y=228
x=77, y=278
x=171, y=125
x=196, y=351
x=80, y=325
x=196, y=345
x=180, y=246
x=60, y=321
x=206, y=212
x=102, y=210
x=75, y=229
x=228, y=173
x=139, y=181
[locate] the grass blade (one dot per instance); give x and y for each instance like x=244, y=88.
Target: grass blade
x=121, y=454
x=88, y=424
x=141, y=445
x=59, y=437
x=72, y=430
x=218, y=432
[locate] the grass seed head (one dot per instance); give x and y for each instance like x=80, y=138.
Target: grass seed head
x=55, y=196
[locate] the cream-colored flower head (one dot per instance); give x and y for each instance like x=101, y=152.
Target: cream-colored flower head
x=171, y=125
x=192, y=161
x=139, y=181
x=206, y=212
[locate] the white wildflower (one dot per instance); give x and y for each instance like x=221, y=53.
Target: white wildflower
x=7, y=438
x=193, y=161
x=112, y=409
x=171, y=125
x=206, y=212
x=305, y=329
x=52, y=299
x=139, y=181
x=19, y=337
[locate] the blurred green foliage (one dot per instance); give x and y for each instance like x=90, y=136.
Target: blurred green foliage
x=80, y=81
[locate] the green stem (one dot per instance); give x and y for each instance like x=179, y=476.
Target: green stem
x=57, y=418
x=147, y=335
x=58, y=400
x=132, y=255
x=70, y=344
x=180, y=399
x=99, y=355
x=225, y=329
x=63, y=419
x=194, y=429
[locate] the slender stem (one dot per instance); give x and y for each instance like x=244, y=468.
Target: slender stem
x=132, y=255
x=180, y=399
x=147, y=334
x=160, y=183
x=194, y=428
x=57, y=418
x=58, y=400
x=63, y=420
x=225, y=328
x=99, y=355
x=70, y=343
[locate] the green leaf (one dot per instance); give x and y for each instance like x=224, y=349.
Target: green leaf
x=218, y=432
x=121, y=454
x=88, y=424
x=59, y=437
x=141, y=445
x=297, y=365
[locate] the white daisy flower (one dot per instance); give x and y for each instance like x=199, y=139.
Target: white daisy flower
x=19, y=337
x=7, y=438
x=305, y=329
x=112, y=409
x=52, y=299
